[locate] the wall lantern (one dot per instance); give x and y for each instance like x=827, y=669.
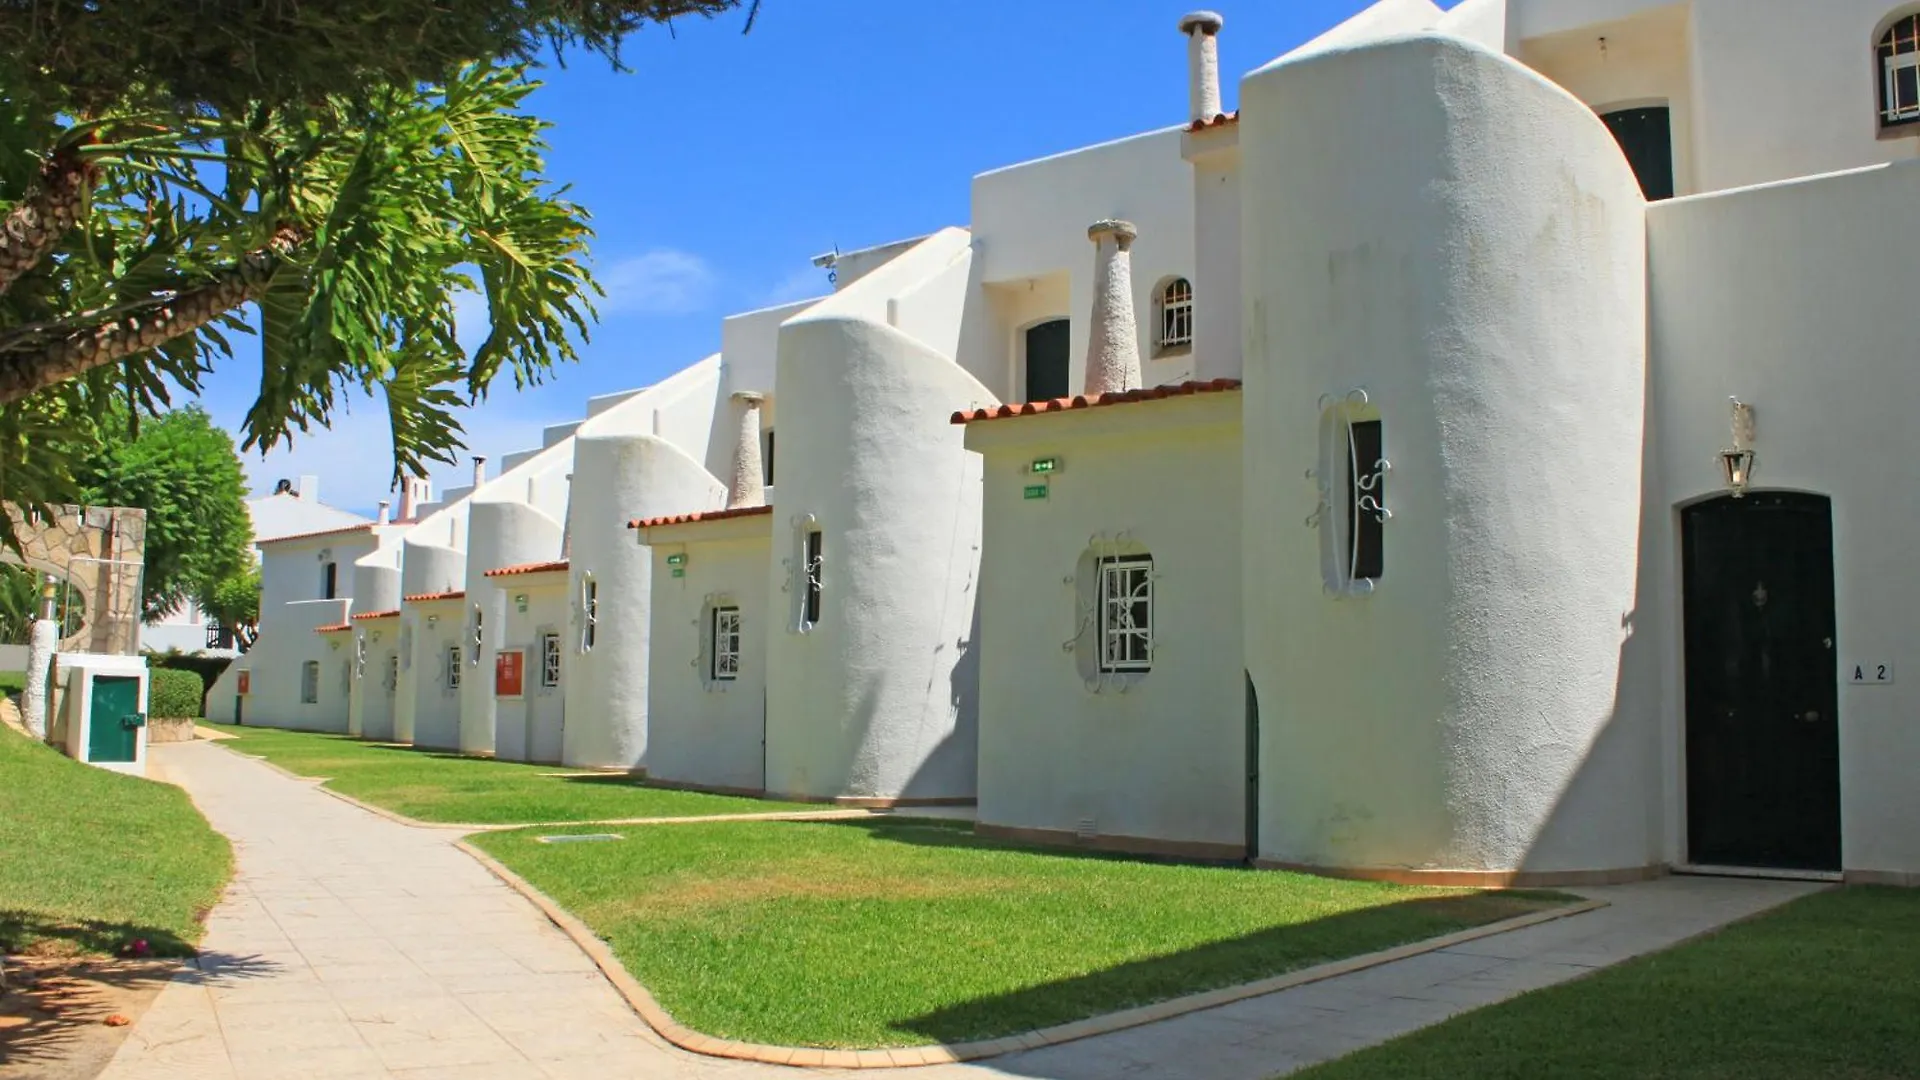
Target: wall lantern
x=1737, y=461
x=433, y=620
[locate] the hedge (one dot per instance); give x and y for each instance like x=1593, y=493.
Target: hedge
x=207, y=669
x=174, y=695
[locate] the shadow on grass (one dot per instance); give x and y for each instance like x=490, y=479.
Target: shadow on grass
x=53, y=1014
x=38, y=933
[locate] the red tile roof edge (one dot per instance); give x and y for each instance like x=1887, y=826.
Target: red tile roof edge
x=528, y=568
x=1218, y=120
x=368, y=527
x=704, y=515
x=419, y=598
x=337, y=628
x=1096, y=401
x=377, y=615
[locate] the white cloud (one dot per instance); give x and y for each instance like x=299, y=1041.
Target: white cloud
x=658, y=282
x=802, y=284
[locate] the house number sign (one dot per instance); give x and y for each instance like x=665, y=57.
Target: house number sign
x=1873, y=673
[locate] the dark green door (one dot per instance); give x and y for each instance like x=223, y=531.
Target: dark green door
x=113, y=725
x=1646, y=136
x=1049, y=360
x=1763, y=732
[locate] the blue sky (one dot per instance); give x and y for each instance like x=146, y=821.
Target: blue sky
x=721, y=163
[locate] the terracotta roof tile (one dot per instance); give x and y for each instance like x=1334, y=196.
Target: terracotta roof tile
x=528, y=568
x=421, y=598
x=1219, y=120
x=339, y=628
x=1096, y=401
x=395, y=613
x=368, y=527
x=704, y=515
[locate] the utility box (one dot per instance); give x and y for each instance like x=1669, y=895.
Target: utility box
x=100, y=710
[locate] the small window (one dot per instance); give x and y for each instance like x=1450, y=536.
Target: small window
x=453, y=667
x=589, y=612
x=813, y=565
x=310, y=683
x=766, y=460
x=1126, y=613
x=479, y=634
x=1899, y=73
x=360, y=655
x=393, y=673
x=726, y=644
x=549, y=660
x=1176, y=315
x=329, y=581
x=1366, y=502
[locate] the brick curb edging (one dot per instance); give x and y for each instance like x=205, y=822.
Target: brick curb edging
x=657, y=1018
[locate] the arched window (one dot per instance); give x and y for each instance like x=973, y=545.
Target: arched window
x=1898, y=62
x=1175, y=301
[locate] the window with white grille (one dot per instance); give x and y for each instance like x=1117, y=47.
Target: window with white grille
x=1176, y=314
x=1352, y=515
x=310, y=683
x=813, y=564
x=1126, y=613
x=453, y=667
x=393, y=673
x=479, y=633
x=726, y=643
x=1899, y=73
x=589, y=612
x=549, y=660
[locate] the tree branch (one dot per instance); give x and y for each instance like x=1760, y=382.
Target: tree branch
x=23, y=372
x=53, y=203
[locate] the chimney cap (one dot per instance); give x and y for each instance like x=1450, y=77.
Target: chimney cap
x=750, y=398
x=1123, y=229
x=1206, y=22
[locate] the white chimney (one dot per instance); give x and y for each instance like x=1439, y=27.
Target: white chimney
x=479, y=470
x=412, y=494
x=1203, y=63
x=1113, y=341
x=385, y=506
x=749, y=481
x=309, y=490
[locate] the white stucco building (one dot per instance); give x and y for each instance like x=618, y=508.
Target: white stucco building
x=1453, y=464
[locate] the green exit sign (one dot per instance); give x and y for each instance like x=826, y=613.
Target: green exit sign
x=677, y=560
x=679, y=571
x=1036, y=491
x=1044, y=465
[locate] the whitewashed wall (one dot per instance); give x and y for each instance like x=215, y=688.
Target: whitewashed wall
x=374, y=697
x=1030, y=225
x=429, y=704
x=1435, y=224
x=1140, y=761
x=877, y=699
x=530, y=728
x=1794, y=298
x=702, y=731
x=505, y=533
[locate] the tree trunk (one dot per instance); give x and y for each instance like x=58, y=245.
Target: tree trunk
x=27, y=370
x=53, y=203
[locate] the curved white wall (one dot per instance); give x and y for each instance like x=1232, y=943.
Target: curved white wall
x=877, y=700
x=1432, y=222
x=503, y=534
x=616, y=478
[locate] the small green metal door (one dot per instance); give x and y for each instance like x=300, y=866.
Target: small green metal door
x=115, y=719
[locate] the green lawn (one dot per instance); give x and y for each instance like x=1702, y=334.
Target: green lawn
x=891, y=932
x=1827, y=987
x=12, y=682
x=91, y=859
x=431, y=786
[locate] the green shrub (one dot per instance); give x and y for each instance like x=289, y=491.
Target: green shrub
x=174, y=695
x=208, y=668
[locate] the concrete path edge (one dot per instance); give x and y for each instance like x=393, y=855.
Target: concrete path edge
x=649, y=1009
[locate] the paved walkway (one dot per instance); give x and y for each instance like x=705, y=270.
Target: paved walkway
x=351, y=946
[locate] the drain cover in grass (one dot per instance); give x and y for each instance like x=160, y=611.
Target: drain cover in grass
x=580, y=838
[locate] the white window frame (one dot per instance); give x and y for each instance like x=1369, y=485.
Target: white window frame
x=589, y=612
x=549, y=659
x=1176, y=315
x=723, y=639
x=1349, y=488
x=1892, y=112
x=455, y=661
x=310, y=683
x=1125, y=583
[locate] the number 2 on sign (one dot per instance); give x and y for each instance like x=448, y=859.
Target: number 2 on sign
x=1875, y=674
